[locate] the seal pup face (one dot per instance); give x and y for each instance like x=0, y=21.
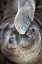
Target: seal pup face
x=19, y=48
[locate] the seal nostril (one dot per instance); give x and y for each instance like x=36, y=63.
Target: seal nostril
x=11, y=39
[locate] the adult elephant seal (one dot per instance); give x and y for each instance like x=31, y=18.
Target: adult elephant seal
x=21, y=49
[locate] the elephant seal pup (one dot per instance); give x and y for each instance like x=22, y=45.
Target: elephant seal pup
x=16, y=47
x=21, y=49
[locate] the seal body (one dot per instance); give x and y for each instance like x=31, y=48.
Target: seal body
x=21, y=49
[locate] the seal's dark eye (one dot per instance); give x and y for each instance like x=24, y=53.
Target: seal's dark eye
x=33, y=30
x=11, y=39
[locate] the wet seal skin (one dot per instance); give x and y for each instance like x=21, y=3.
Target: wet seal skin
x=20, y=48
x=25, y=15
